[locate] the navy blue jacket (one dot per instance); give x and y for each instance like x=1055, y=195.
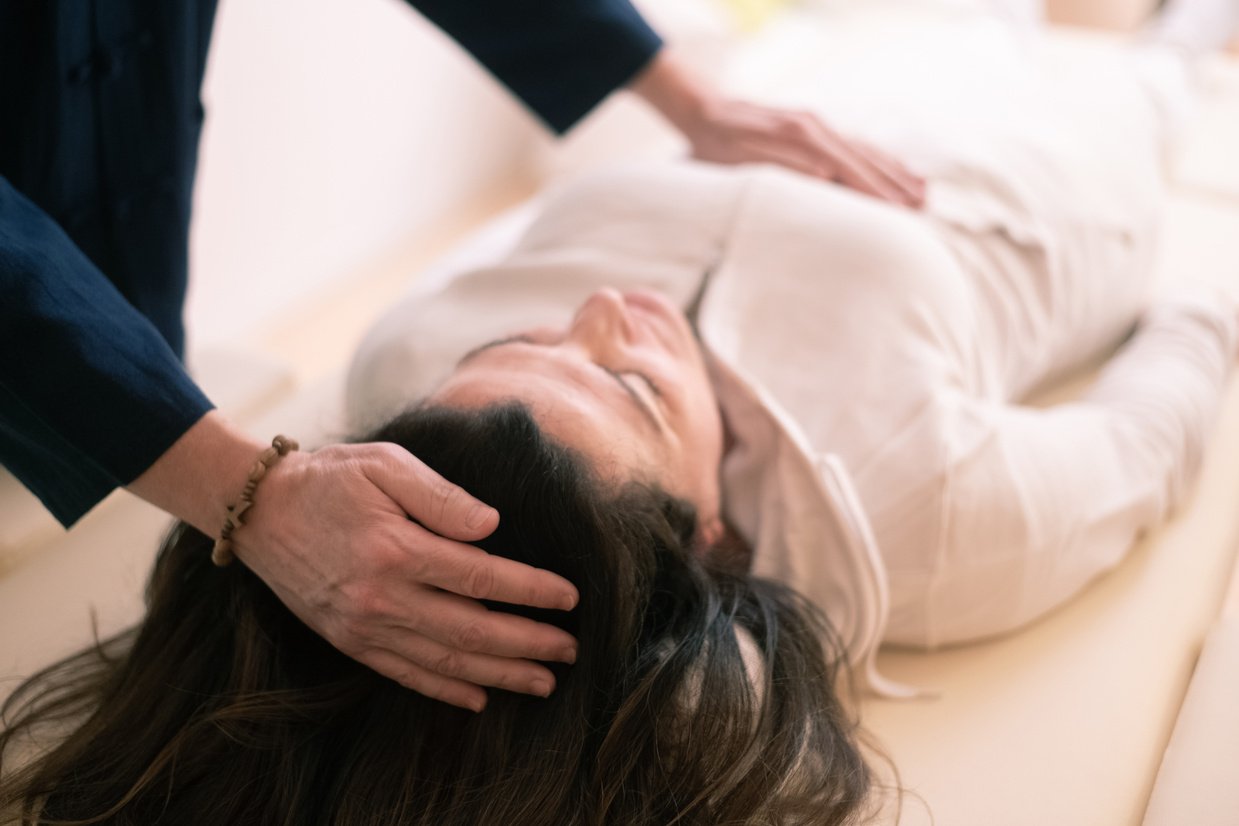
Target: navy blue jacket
x=99, y=125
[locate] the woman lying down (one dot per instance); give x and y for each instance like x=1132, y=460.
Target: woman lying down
x=763, y=424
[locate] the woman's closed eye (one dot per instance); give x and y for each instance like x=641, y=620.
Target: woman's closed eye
x=646, y=408
x=618, y=375
x=650, y=383
x=645, y=405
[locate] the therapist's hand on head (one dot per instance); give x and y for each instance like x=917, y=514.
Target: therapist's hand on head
x=332, y=533
x=723, y=130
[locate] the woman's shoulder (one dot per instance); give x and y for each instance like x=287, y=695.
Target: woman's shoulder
x=638, y=206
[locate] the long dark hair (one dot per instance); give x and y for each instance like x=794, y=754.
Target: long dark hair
x=222, y=708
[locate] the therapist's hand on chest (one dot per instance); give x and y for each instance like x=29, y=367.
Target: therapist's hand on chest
x=724, y=130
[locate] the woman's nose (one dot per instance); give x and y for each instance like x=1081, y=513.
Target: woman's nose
x=602, y=319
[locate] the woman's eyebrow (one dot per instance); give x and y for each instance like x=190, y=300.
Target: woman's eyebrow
x=499, y=342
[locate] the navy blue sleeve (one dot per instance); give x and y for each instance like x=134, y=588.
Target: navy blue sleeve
x=90, y=393
x=561, y=57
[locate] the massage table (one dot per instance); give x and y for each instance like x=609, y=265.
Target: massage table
x=1114, y=710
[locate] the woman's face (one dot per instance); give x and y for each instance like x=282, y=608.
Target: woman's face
x=624, y=384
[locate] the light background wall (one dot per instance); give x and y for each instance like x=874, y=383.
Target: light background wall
x=335, y=129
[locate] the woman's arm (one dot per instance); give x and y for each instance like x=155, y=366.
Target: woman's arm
x=1049, y=498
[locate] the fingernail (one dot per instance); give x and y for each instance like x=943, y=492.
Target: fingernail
x=477, y=516
x=567, y=655
x=541, y=687
x=477, y=706
x=568, y=602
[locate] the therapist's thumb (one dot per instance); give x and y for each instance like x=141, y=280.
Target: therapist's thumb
x=435, y=503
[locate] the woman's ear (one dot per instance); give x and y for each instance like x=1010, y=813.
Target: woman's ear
x=711, y=531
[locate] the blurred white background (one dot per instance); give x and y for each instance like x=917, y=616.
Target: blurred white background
x=334, y=129
x=339, y=132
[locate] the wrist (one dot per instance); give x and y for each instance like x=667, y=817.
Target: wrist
x=201, y=474
x=672, y=89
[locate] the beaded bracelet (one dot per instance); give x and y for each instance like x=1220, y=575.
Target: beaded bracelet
x=222, y=553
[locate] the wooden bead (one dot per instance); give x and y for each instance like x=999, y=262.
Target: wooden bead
x=222, y=552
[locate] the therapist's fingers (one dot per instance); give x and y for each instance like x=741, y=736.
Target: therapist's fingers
x=469, y=626
x=832, y=166
x=434, y=502
x=423, y=597
x=449, y=663
x=854, y=166
x=912, y=186
x=471, y=572
x=431, y=638
x=740, y=132
x=435, y=686
x=447, y=510
x=788, y=158
x=459, y=646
